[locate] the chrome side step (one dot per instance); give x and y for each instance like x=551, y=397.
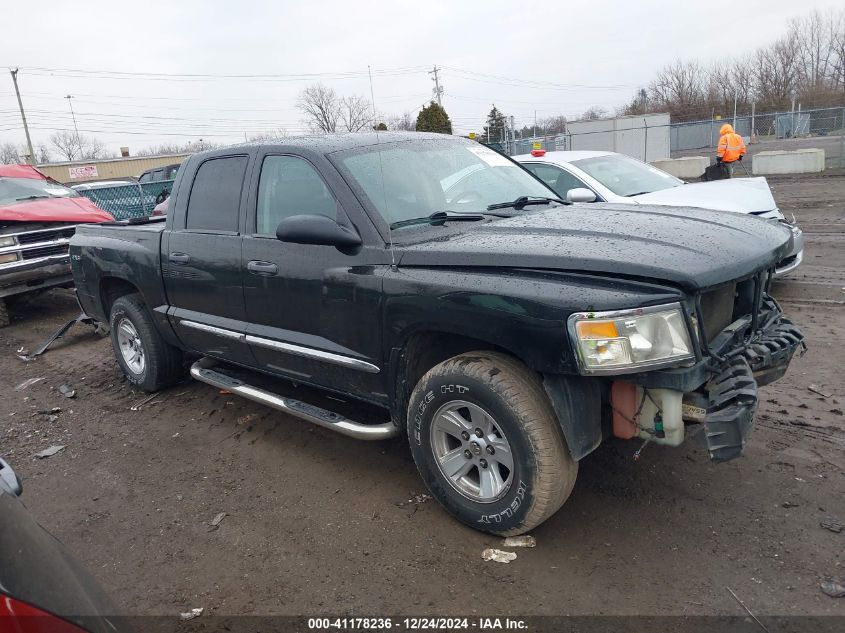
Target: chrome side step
x=202, y=371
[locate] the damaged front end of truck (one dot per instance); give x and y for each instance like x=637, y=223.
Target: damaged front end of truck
x=720, y=345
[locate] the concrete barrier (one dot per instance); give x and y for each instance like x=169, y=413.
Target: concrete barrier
x=800, y=161
x=687, y=168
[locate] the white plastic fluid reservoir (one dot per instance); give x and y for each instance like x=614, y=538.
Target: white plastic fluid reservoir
x=670, y=403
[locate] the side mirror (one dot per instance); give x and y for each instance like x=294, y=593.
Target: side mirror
x=9, y=481
x=581, y=194
x=316, y=229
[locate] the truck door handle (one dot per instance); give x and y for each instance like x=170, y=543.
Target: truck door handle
x=266, y=269
x=179, y=258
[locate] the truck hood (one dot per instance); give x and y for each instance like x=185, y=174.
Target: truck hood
x=691, y=249
x=76, y=210
x=741, y=195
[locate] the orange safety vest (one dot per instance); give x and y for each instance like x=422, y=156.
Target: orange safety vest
x=731, y=147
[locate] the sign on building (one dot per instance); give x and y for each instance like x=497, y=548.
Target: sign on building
x=83, y=172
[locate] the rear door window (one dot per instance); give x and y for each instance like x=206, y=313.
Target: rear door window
x=216, y=195
x=158, y=174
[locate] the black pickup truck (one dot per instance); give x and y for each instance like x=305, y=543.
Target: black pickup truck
x=506, y=332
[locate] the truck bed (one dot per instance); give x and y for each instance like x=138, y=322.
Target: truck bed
x=103, y=253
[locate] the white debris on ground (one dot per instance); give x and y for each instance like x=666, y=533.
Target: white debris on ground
x=190, y=615
x=498, y=555
x=48, y=452
x=525, y=540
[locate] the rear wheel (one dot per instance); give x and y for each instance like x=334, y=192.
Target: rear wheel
x=488, y=444
x=144, y=356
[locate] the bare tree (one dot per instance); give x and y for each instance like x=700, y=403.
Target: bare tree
x=807, y=62
x=175, y=148
x=92, y=149
x=356, y=113
x=594, y=112
x=776, y=71
x=270, y=135
x=321, y=107
x=67, y=144
x=10, y=154
x=76, y=147
x=404, y=122
x=557, y=124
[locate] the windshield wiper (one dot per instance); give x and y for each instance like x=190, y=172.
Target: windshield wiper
x=639, y=193
x=31, y=198
x=523, y=201
x=438, y=217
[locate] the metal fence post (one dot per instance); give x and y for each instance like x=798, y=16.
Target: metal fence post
x=141, y=192
x=842, y=140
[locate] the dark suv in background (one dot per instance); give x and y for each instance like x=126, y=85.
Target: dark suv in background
x=159, y=173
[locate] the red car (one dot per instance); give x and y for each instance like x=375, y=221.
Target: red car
x=38, y=216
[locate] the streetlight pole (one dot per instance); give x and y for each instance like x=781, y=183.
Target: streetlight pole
x=73, y=116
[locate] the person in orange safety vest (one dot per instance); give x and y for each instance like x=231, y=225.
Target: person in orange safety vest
x=731, y=147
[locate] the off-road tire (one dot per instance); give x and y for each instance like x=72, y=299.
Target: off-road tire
x=4, y=313
x=163, y=364
x=544, y=471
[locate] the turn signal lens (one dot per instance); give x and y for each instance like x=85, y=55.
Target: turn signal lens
x=596, y=329
x=8, y=258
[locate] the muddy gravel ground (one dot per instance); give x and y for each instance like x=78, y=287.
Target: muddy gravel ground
x=317, y=523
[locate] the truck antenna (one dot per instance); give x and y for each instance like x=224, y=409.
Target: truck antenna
x=381, y=168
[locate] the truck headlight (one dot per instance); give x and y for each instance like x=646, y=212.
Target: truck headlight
x=8, y=258
x=630, y=340
x=7, y=241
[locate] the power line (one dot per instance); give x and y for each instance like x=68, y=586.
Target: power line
x=383, y=71
x=529, y=83
x=194, y=78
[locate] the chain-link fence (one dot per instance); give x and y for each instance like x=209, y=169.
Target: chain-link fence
x=132, y=200
x=823, y=128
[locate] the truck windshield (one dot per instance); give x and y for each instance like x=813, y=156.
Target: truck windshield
x=626, y=176
x=15, y=190
x=415, y=179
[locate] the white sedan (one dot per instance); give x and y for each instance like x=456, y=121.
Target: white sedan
x=610, y=177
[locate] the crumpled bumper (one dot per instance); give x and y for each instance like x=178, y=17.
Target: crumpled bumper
x=732, y=390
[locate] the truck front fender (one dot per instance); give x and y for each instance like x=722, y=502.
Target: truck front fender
x=577, y=404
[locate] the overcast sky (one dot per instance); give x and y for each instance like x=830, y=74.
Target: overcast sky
x=581, y=54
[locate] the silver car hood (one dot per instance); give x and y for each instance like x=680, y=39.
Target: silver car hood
x=741, y=195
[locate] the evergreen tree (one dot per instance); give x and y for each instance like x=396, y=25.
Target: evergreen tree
x=433, y=118
x=495, y=125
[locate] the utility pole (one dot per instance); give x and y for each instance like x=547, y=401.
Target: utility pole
x=438, y=90
x=512, y=138
x=735, y=99
x=76, y=129
x=23, y=117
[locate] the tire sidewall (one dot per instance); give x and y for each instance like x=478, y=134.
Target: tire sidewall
x=503, y=514
x=121, y=311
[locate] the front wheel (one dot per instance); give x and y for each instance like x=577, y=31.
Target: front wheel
x=488, y=444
